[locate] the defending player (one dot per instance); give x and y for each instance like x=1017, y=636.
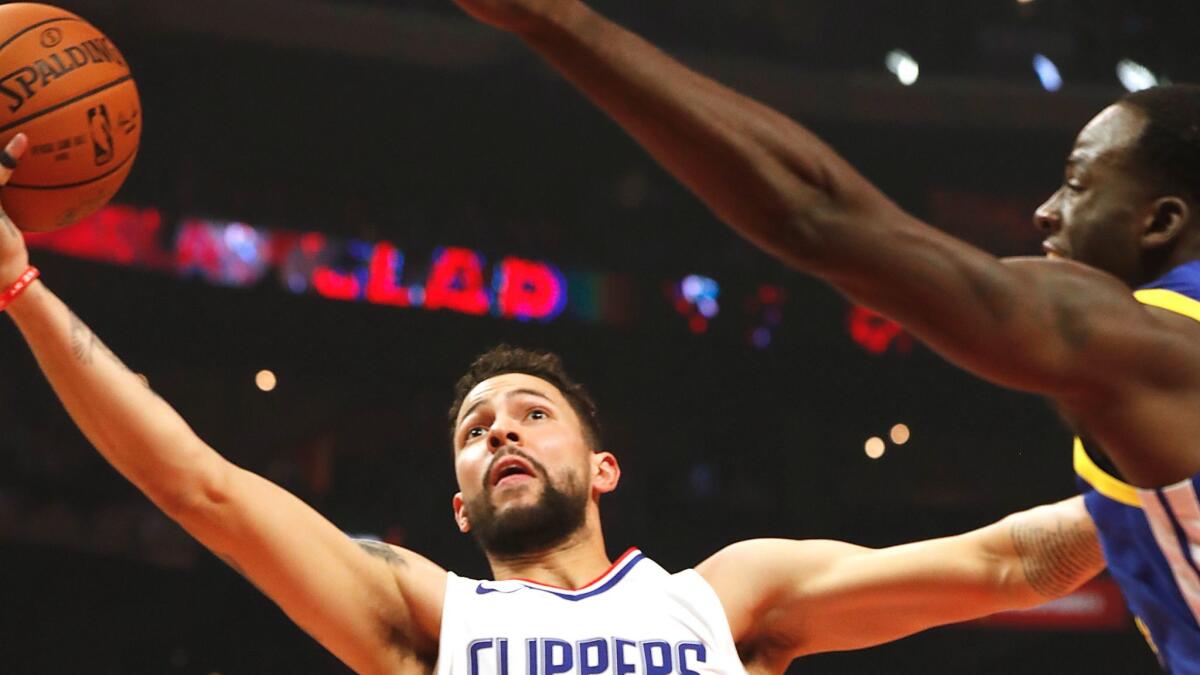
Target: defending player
x=531, y=471
x=1125, y=371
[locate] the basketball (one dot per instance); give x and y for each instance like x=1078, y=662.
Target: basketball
x=68, y=88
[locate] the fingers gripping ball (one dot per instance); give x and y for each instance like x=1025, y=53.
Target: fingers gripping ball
x=68, y=88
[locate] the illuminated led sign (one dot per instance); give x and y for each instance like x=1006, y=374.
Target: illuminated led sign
x=452, y=279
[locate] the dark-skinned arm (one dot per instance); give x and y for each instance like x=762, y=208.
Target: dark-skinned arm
x=1030, y=324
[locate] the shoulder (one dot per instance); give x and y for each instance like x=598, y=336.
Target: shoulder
x=422, y=584
x=1099, y=318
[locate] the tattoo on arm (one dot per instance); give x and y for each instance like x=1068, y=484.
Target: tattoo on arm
x=85, y=343
x=1056, y=559
x=382, y=551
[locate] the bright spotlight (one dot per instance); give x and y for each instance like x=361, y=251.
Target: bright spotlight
x=265, y=380
x=1134, y=76
x=903, y=66
x=900, y=434
x=1047, y=72
x=874, y=447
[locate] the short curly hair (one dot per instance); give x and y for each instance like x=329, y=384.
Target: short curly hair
x=1169, y=147
x=547, y=366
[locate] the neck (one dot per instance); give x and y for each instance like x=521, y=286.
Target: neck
x=1188, y=250
x=572, y=563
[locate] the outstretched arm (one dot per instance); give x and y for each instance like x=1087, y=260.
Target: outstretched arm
x=1029, y=325
x=373, y=608
x=818, y=596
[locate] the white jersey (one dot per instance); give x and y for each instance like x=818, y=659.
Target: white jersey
x=636, y=619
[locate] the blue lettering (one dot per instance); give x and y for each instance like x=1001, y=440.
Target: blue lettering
x=660, y=664
x=473, y=650
x=560, y=663
x=696, y=648
x=503, y=655
x=531, y=667
x=589, y=665
x=623, y=666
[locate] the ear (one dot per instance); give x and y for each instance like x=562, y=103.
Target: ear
x=606, y=472
x=460, y=513
x=1166, y=221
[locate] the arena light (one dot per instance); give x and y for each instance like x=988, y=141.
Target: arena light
x=901, y=64
x=874, y=447
x=1134, y=76
x=1047, y=72
x=900, y=434
x=265, y=380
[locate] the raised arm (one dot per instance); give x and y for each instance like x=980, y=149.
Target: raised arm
x=781, y=187
x=819, y=596
x=373, y=606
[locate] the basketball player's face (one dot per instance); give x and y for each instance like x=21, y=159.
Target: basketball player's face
x=1096, y=216
x=522, y=463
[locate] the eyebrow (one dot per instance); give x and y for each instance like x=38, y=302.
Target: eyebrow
x=514, y=392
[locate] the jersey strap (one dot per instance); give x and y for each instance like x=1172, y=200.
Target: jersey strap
x=1103, y=482
x=1169, y=300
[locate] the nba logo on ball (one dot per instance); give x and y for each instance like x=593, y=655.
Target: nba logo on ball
x=63, y=82
x=102, y=140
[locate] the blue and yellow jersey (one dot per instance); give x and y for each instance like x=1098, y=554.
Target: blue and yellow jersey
x=1151, y=537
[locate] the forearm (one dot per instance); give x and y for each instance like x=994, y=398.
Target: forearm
x=134, y=429
x=781, y=187
x=761, y=172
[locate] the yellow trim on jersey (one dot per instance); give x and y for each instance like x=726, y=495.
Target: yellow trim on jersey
x=1105, y=484
x=1169, y=300
x=1141, y=626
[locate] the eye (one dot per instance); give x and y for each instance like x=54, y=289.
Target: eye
x=538, y=414
x=476, y=432
x=1074, y=186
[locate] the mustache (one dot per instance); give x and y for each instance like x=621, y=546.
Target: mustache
x=506, y=451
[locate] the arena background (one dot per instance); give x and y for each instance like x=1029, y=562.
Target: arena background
x=287, y=143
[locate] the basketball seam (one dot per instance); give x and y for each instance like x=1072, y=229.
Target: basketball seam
x=63, y=186
x=32, y=26
x=63, y=104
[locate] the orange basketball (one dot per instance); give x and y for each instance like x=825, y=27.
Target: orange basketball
x=69, y=89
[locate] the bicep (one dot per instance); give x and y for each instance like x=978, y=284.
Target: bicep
x=863, y=597
x=1028, y=323
x=368, y=607
x=817, y=596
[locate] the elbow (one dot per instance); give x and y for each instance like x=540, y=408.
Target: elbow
x=205, y=484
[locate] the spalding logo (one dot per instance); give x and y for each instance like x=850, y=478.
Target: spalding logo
x=25, y=82
x=51, y=37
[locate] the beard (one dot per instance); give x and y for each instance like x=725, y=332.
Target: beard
x=520, y=530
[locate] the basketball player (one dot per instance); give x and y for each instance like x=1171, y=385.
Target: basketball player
x=531, y=469
x=1123, y=368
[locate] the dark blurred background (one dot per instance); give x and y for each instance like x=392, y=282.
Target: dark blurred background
x=405, y=122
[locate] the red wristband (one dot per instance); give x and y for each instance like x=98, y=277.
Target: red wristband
x=18, y=287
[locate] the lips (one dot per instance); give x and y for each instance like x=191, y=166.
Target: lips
x=510, y=469
x=1053, y=250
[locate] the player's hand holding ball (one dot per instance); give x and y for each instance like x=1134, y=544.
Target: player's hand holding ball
x=14, y=257
x=517, y=15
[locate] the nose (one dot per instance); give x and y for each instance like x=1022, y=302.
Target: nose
x=500, y=436
x=1047, y=217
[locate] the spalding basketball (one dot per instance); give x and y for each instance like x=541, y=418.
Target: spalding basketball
x=68, y=88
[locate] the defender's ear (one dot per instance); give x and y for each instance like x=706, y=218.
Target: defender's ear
x=460, y=513
x=1167, y=219
x=606, y=472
